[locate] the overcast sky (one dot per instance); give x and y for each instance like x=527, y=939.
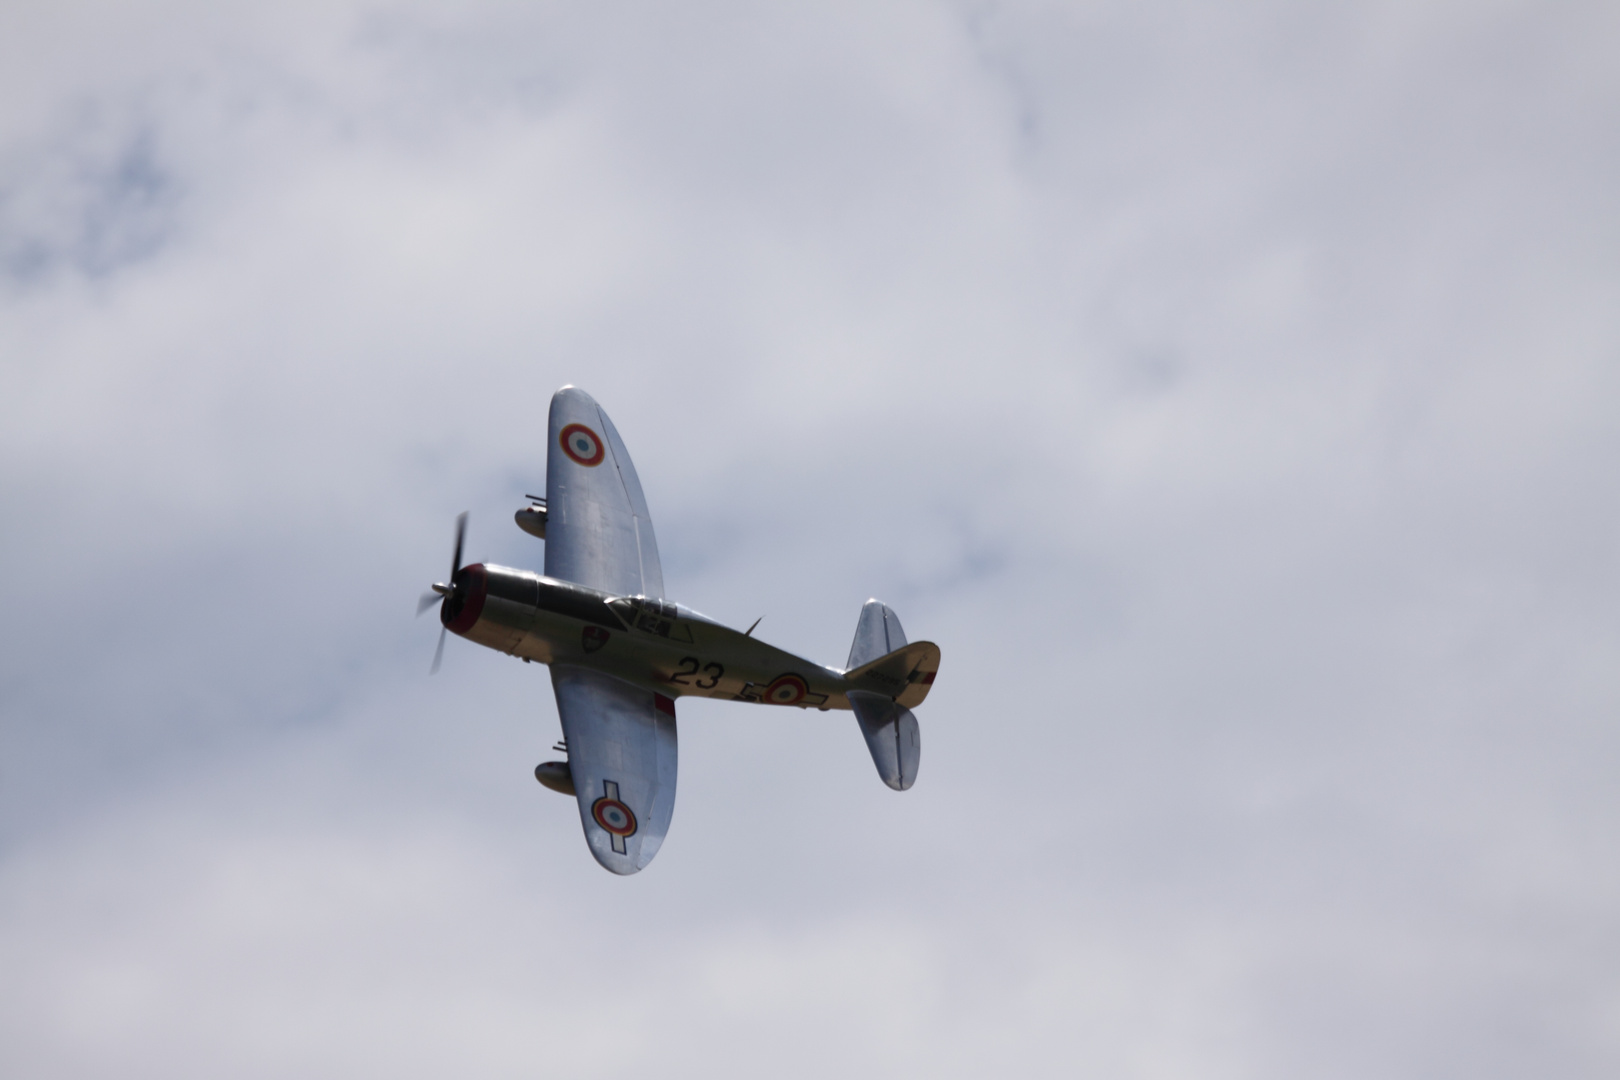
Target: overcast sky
x=1232, y=392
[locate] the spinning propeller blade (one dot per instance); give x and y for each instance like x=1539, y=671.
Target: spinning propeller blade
x=445, y=592
x=461, y=534
x=438, y=654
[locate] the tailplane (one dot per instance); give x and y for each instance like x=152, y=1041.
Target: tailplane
x=877, y=634
x=887, y=676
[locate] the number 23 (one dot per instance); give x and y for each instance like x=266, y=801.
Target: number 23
x=682, y=673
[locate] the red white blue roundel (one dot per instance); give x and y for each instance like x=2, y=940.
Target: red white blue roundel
x=786, y=690
x=614, y=816
x=581, y=444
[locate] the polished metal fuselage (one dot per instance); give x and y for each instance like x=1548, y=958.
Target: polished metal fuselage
x=664, y=647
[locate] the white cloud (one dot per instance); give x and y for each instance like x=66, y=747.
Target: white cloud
x=1228, y=392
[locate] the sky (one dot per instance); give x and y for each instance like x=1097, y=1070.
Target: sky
x=1232, y=392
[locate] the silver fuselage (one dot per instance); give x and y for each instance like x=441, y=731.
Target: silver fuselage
x=664, y=647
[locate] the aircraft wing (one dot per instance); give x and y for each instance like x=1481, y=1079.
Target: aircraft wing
x=598, y=531
x=621, y=738
x=621, y=753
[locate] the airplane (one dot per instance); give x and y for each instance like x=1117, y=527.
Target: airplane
x=621, y=654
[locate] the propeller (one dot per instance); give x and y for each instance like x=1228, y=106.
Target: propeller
x=441, y=593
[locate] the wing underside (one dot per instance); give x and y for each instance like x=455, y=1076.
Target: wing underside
x=621, y=737
x=622, y=755
x=598, y=531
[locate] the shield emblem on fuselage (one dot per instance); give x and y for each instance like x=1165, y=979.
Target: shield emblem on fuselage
x=594, y=638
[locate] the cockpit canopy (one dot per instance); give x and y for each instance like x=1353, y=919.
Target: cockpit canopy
x=652, y=616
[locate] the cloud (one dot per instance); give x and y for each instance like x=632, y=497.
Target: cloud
x=1229, y=393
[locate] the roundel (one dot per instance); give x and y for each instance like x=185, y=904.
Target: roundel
x=614, y=816
x=786, y=690
x=581, y=444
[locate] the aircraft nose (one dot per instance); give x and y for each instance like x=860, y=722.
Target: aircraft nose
x=465, y=603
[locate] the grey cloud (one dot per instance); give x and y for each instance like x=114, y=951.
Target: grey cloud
x=1229, y=393
x=94, y=199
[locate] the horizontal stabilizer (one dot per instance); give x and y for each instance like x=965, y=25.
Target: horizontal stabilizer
x=892, y=736
x=877, y=633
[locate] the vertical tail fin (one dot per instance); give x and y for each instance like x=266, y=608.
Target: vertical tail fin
x=890, y=729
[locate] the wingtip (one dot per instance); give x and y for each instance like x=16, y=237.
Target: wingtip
x=620, y=865
x=618, y=870
x=574, y=392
